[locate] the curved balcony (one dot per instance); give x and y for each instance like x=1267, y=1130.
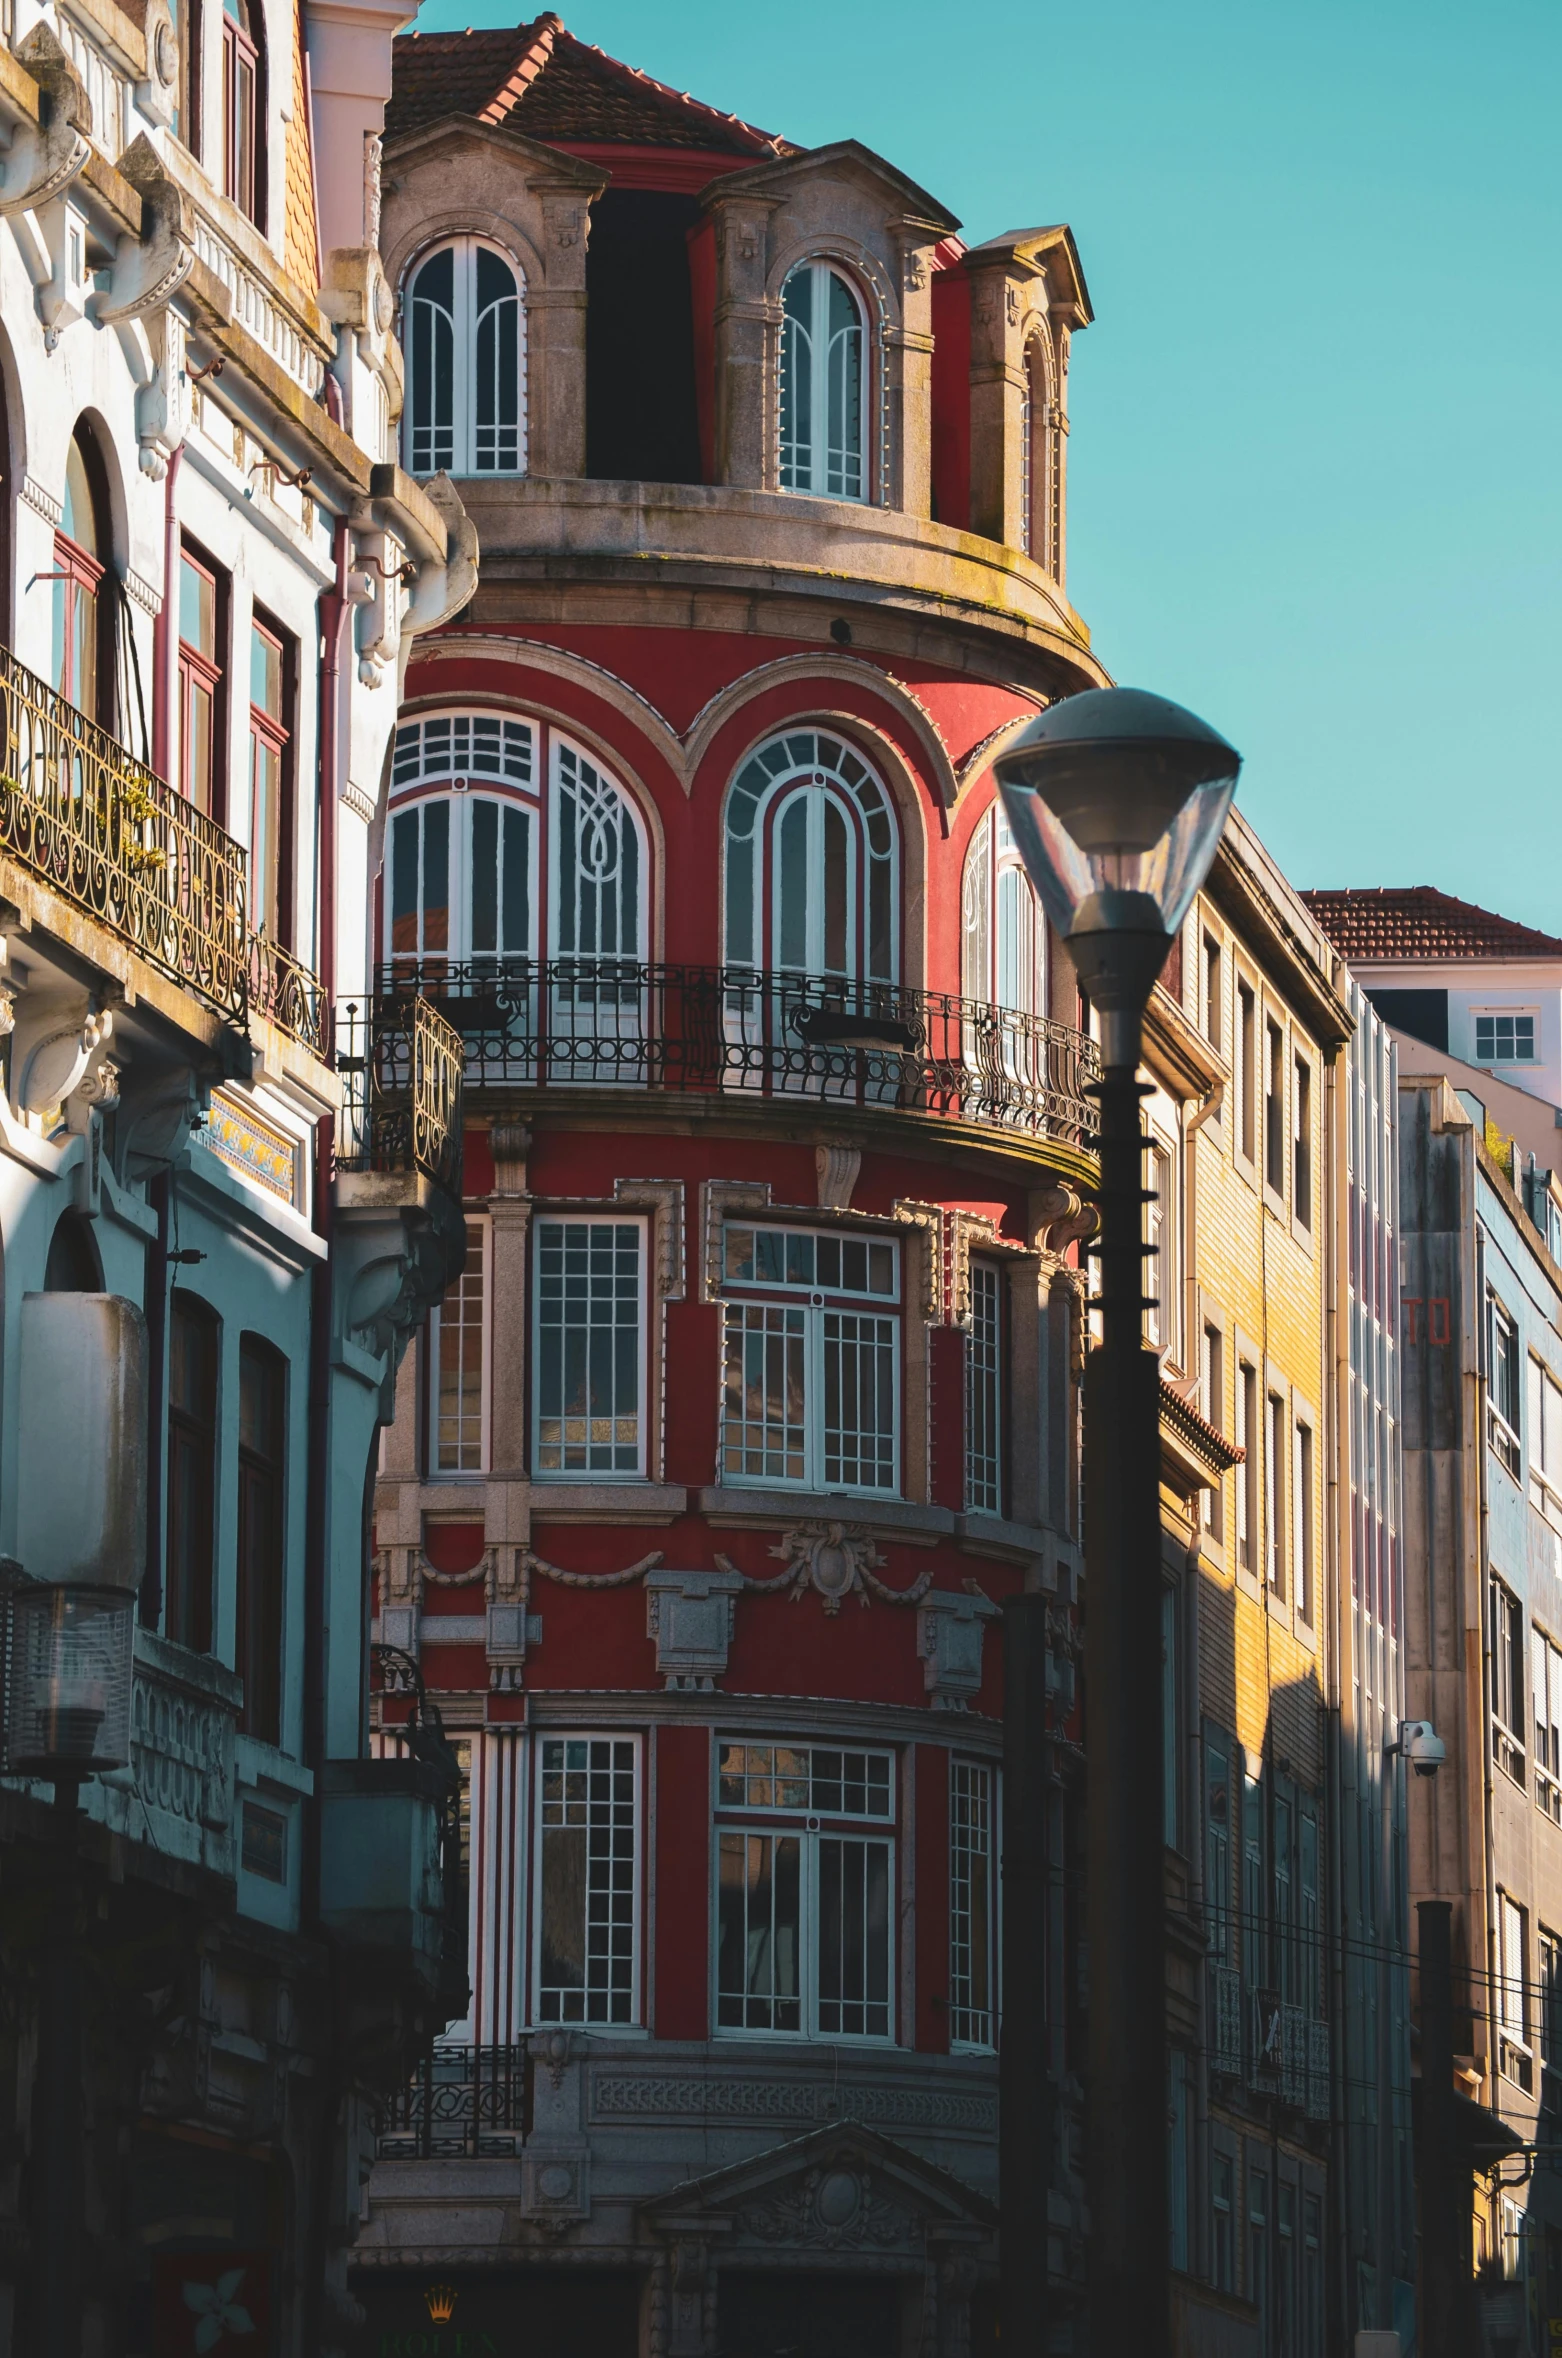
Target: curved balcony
x=736, y=1037
x=401, y=1067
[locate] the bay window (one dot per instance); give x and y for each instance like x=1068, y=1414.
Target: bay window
x=804, y=1943
x=585, y=1954
x=588, y=1355
x=823, y=368
x=810, y=1391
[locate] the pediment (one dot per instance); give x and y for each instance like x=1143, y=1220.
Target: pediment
x=844, y=159
x=1049, y=252
x=844, y=2187
x=539, y=162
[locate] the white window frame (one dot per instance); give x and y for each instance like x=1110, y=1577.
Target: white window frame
x=984, y=1375
x=826, y=765
x=1545, y=1442
x=1276, y=1471
x=1508, y=1656
x=824, y=462
x=479, y=1233
x=1249, y=1495
x=1304, y=1575
x=1502, y=1430
x=1003, y=929
x=1545, y=1663
x=543, y=1220
x=465, y=321
x=460, y=758
x=814, y=1307
x=1212, y=1399
x=812, y=1829
x=1496, y=1016
x=611, y=2026
x=973, y=2028
x=1512, y=2009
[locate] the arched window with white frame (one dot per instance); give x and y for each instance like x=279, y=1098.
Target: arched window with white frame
x=812, y=862
x=462, y=840
x=1004, y=933
x=464, y=331
x=824, y=378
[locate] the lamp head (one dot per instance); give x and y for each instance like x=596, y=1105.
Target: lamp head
x=1117, y=799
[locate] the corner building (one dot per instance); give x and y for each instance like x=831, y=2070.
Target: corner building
x=758, y=1394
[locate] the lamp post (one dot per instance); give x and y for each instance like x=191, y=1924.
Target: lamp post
x=1117, y=800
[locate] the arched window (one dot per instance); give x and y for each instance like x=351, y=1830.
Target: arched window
x=465, y=840
x=1036, y=494
x=82, y=654
x=460, y=863
x=823, y=377
x=811, y=862
x=464, y=333
x=243, y=108
x=1005, y=934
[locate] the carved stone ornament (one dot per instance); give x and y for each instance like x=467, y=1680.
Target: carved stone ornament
x=834, y=2209
x=949, y=1640
x=690, y=1616
x=836, y=1560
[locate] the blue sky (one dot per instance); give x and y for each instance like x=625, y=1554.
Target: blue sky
x=1315, y=488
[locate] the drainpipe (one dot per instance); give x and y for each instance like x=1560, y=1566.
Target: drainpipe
x=1339, y=1569
x=334, y=610
x=165, y=625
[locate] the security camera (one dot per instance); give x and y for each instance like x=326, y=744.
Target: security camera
x=1422, y=1746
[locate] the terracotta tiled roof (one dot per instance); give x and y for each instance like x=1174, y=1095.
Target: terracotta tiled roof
x=1411, y=924
x=540, y=80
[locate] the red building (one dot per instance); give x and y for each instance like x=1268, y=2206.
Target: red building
x=757, y=1397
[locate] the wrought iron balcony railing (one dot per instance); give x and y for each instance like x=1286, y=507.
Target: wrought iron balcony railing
x=401, y=1068
x=109, y=835
x=282, y=988
x=614, y=1022
x=464, y=2101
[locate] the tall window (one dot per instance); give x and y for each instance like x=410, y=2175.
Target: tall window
x=585, y=1955
x=811, y=862
x=1212, y=1400
x=1507, y=1680
x=1004, y=949
x=597, y=870
x=823, y=411
x=1549, y=1959
x=972, y=2016
x=803, y=1919
x=460, y=1365
x=80, y=655
x=262, y=1552
x=589, y=1348
x=1217, y=1845
x=1513, y=2012
x=1246, y=1076
x=1505, y=1380
x=1171, y=1718
x=1545, y=1443
x=1545, y=1662
x=192, y=1472
x=1302, y=1144
x=1275, y=1454
x=1247, y=1471
x=1222, y=2255
x=1255, y=1898
x=464, y=336
x=461, y=863
x=1302, y=1520
x=202, y=620
x=271, y=669
x=984, y=1392
x=243, y=108
x=1211, y=986
x=1274, y=1107
x=811, y=1380
x=1257, y=2286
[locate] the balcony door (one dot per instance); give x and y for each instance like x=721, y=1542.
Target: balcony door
x=82, y=649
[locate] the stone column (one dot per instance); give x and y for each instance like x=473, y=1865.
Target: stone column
x=747, y=343
x=998, y=389
x=910, y=407
x=556, y=333
x=509, y=1213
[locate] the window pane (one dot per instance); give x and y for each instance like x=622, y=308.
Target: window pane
x=797, y=457
x=496, y=389
x=983, y=1372
x=585, y=1966
x=485, y=876
x=431, y=403
x=793, y=927
x=859, y=1402
x=458, y=1420
x=436, y=876
x=853, y=1938
x=837, y=887
x=970, y=1904
x=764, y=1394
x=759, y=1932
x=265, y=672
x=404, y=893
x=844, y=466
x=197, y=609
x=588, y=1347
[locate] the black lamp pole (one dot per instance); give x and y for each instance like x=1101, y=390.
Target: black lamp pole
x=1117, y=800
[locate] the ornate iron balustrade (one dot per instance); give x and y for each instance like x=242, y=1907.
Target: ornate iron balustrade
x=283, y=989
x=614, y=1022
x=465, y=2101
x=106, y=833
x=401, y=1065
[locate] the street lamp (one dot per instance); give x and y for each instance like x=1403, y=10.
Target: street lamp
x=1116, y=800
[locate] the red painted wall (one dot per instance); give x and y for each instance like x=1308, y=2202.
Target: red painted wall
x=952, y=398
x=683, y=1854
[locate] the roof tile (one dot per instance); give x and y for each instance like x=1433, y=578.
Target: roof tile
x=1413, y=924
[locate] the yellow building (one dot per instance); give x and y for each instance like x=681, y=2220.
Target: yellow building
x=1241, y=1036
